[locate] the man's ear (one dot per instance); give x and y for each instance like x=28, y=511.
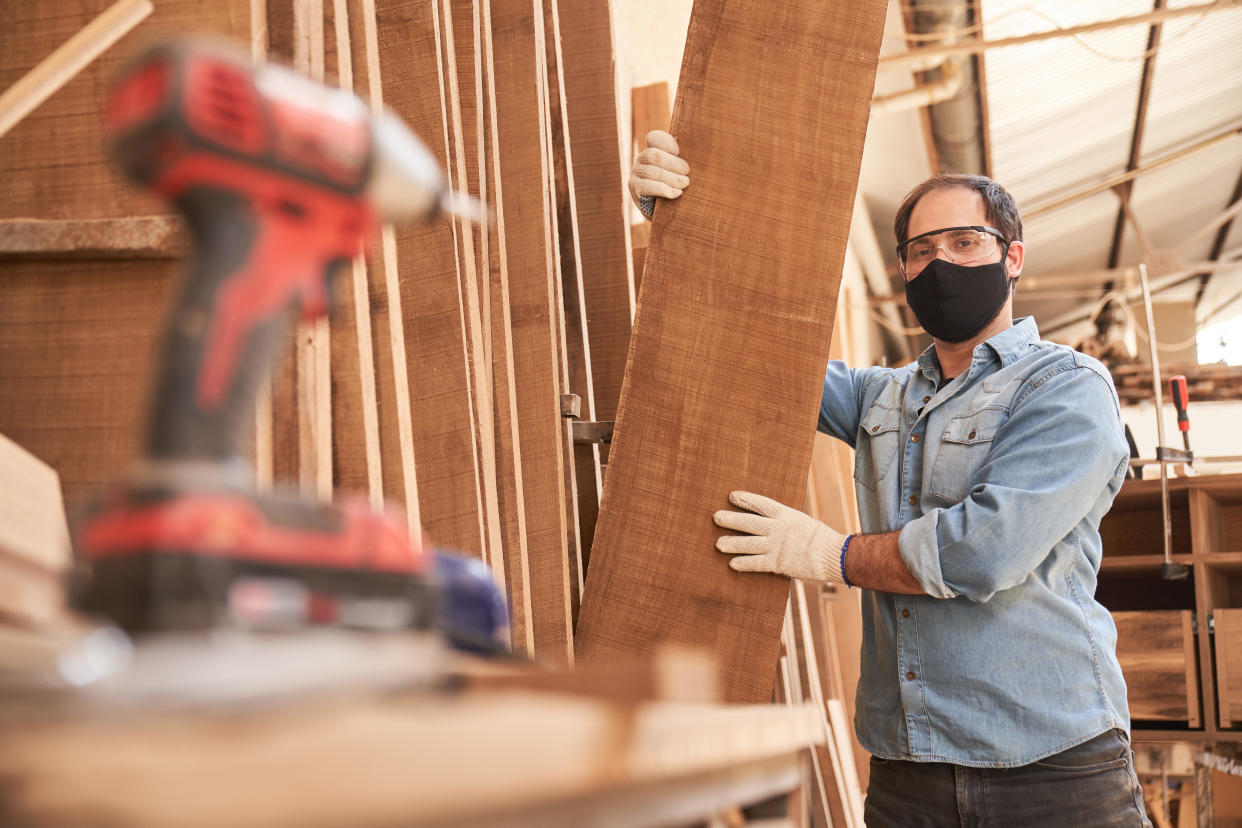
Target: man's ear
x=1014, y=258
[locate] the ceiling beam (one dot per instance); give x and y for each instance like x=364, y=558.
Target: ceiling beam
x=1136, y=136
x=981, y=89
x=1218, y=244
x=971, y=47
x=1057, y=202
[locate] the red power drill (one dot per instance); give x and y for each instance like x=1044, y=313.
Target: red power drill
x=281, y=181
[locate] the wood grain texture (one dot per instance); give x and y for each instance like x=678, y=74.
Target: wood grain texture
x=77, y=344
x=731, y=337
x=1228, y=641
x=52, y=163
x=432, y=311
x=517, y=52
x=584, y=460
x=511, y=491
x=601, y=200
x=462, y=154
x=136, y=237
x=1157, y=655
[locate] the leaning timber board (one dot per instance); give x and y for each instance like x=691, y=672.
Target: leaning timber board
x=445, y=442
x=732, y=331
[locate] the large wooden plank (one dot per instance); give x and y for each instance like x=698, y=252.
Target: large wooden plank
x=450, y=502
x=731, y=336
x=600, y=199
x=517, y=52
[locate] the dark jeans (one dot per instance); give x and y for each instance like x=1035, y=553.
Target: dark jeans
x=1087, y=786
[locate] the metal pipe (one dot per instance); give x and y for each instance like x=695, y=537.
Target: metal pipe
x=924, y=94
x=971, y=47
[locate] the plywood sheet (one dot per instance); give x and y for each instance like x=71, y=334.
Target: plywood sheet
x=732, y=331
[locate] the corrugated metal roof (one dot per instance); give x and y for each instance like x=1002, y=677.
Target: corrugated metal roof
x=1061, y=111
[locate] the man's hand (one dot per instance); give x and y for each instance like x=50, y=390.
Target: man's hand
x=658, y=172
x=781, y=540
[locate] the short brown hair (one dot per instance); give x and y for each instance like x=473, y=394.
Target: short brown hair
x=1002, y=210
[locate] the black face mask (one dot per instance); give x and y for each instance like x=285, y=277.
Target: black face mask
x=954, y=302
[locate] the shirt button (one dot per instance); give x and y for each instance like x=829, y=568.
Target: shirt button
x=876, y=428
x=912, y=499
x=927, y=399
x=971, y=435
x=905, y=613
x=914, y=438
x=910, y=676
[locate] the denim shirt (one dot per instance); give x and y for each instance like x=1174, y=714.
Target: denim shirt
x=997, y=482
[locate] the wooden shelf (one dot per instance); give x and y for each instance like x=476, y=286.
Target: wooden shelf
x=1206, y=521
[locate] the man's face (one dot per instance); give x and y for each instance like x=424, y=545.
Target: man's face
x=956, y=207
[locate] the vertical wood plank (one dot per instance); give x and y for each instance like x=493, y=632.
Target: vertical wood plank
x=396, y=438
x=512, y=495
x=726, y=361
x=355, y=407
x=517, y=50
x=432, y=312
x=583, y=459
x=601, y=200
x=462, y=150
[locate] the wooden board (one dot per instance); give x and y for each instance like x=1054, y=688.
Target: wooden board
x=582, y=478
x=356, y=464
x=1157, y=655
x=52, y=163
x=517, y=50
x=725, y=369
x=32, y=510
x=450, y=501
x=601, y=200
x=510, y=488
x=1228, y=643
x=77, y=348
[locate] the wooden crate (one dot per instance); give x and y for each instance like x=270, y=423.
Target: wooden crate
x=1227, y=643
x=1157, y=655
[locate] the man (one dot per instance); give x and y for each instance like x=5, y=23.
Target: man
x=990, y=692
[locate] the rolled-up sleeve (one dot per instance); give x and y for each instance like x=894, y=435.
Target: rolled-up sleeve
x=1062, y=446
x=840, y=406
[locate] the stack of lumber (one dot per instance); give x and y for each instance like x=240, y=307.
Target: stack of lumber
x=34, y=543
x=439, y=380
x=455, y=356
x=1204, y=383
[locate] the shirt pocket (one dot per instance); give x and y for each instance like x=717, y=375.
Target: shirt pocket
x=964, y=446
x=878, y=435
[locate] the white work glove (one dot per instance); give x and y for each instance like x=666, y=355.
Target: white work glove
x=780, y=540
x=658, y=172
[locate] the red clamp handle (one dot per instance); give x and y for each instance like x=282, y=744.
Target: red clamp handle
x=1177, y=389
